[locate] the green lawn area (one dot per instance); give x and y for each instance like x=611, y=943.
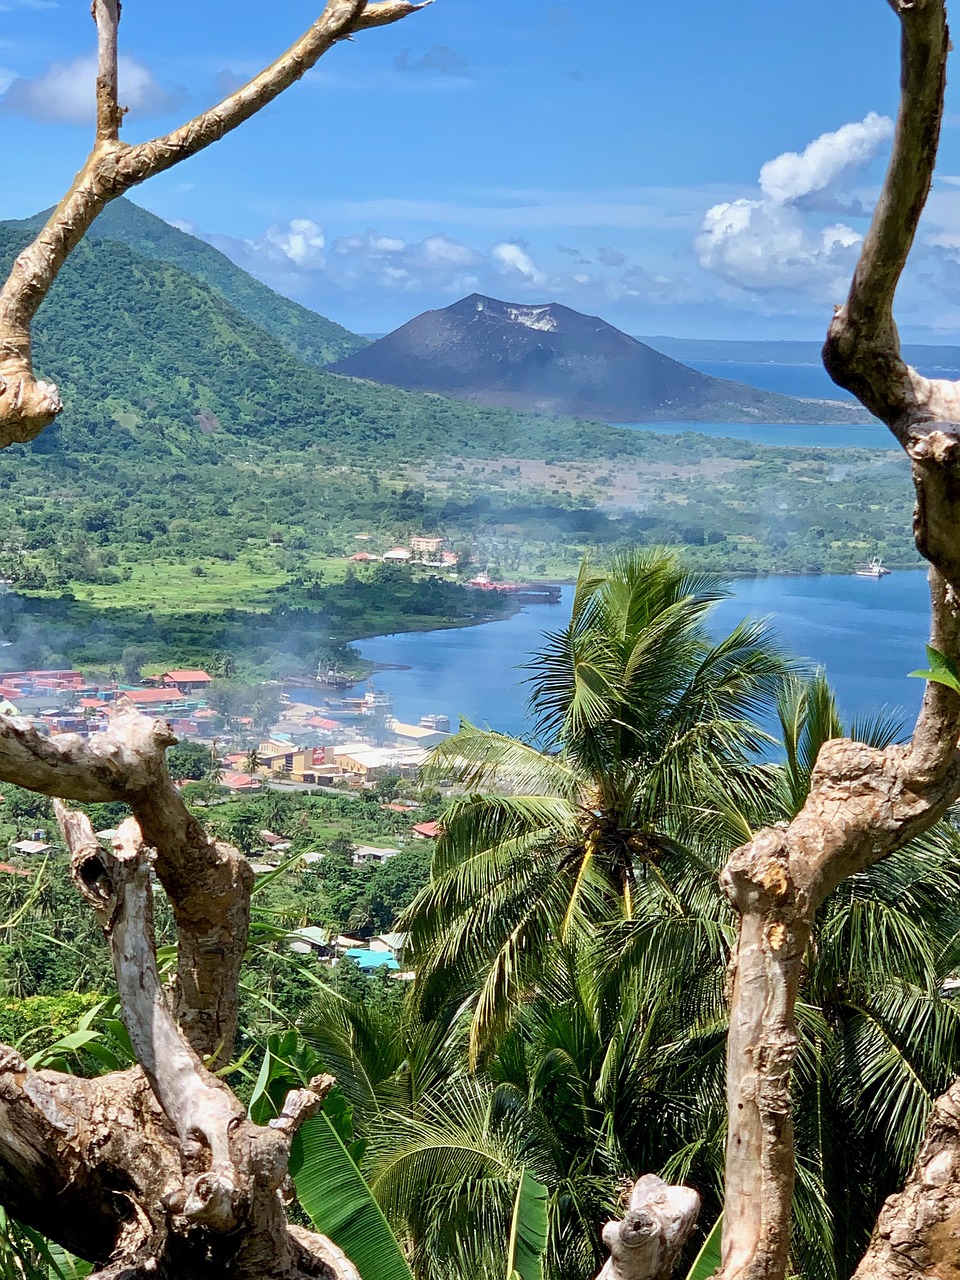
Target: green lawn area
x=169, y=587
x=174, y=587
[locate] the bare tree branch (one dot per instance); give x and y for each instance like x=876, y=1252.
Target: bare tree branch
x=339, y=20
x=230, y=1169
x=916, y=1235
x=863, y=803
x=28, y=405
x=106, y=14
x=117, y=887
x=862, y=351
x=208, y=882
x=657, y=1223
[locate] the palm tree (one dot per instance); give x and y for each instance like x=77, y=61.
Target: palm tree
x=614, y=1061
x=879, y=1041
x=646, y=731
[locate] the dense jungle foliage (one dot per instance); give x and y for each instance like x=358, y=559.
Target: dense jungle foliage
x=569, y=938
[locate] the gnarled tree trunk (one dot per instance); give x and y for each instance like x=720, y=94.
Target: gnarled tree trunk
x=863, y=803
x=157, y=1170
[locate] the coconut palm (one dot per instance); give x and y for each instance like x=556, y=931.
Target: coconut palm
x=879, y=1040
x=614, y=1060
x=646, y=732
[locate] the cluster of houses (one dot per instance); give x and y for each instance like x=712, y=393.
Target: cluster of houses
x=423, y=549
x=353, y=761
x=312, y=750
x=385, y=952
x=67, y=702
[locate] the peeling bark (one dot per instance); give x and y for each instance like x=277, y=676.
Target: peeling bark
x=154, y=1171
x=863, y=803
x=216, y=1208
x=657, y=1223
x=208, y=883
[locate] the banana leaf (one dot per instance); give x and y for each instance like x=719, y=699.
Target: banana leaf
x=528, y=1231
x=340, y=1205
x=708, y=1259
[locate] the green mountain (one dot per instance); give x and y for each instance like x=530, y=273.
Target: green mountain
x=313, y=338
x=146, y=354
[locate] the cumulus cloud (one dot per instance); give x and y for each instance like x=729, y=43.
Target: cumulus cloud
x=778, y=240
x=377, y=270
x=64, y=93
x=302, y=242
x=826, y=160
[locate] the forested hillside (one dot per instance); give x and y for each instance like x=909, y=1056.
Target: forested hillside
x=204, y=466
x=303, y=332
x=168, y=361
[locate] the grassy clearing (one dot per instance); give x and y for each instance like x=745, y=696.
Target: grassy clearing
x=169, y=587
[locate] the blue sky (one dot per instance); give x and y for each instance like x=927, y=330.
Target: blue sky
x=607, y=156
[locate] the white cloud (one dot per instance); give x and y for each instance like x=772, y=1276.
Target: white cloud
x=65, y=93
x=7, y=78
x=302, y=242
x=763, y=245
x=825, y=161
x=514, y=257
x=377, y=269
x=778, y=241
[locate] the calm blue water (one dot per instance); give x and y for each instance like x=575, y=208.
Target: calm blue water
x=810, y=436
x=868, y=635
x=809, y=381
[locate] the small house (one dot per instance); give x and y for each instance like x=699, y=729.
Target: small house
x=187, y=681
x=365, y=855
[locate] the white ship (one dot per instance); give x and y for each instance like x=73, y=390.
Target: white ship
x=874, y=569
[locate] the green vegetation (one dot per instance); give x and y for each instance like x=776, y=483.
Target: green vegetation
x=567, y=1024
x=205, y=472
x=635, y=708
x=302, y=332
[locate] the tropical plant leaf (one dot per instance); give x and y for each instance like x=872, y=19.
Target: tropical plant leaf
x=707, y=1260
x=529, y=1230
x=943, y=670
x=337, y=1200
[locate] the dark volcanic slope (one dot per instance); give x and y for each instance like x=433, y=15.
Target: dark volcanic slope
x=554, y=360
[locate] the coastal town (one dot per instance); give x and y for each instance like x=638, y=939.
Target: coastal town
x=339, y=738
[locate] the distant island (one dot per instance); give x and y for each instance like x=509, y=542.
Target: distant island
x=553, y=360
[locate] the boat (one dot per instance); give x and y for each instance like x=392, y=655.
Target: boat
x=438, y=723
x=874, y=569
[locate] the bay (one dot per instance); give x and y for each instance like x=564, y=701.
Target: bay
x=866, y=435
x=868, y=635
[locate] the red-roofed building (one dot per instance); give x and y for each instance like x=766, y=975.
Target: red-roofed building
x=320, y=722
x=362, y=557
x=7, y=870
x=426, y=831
x=152, y=697
x=187, y=681
x=241, y=782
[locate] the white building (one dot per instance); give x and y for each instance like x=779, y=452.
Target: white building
x=365, y=855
